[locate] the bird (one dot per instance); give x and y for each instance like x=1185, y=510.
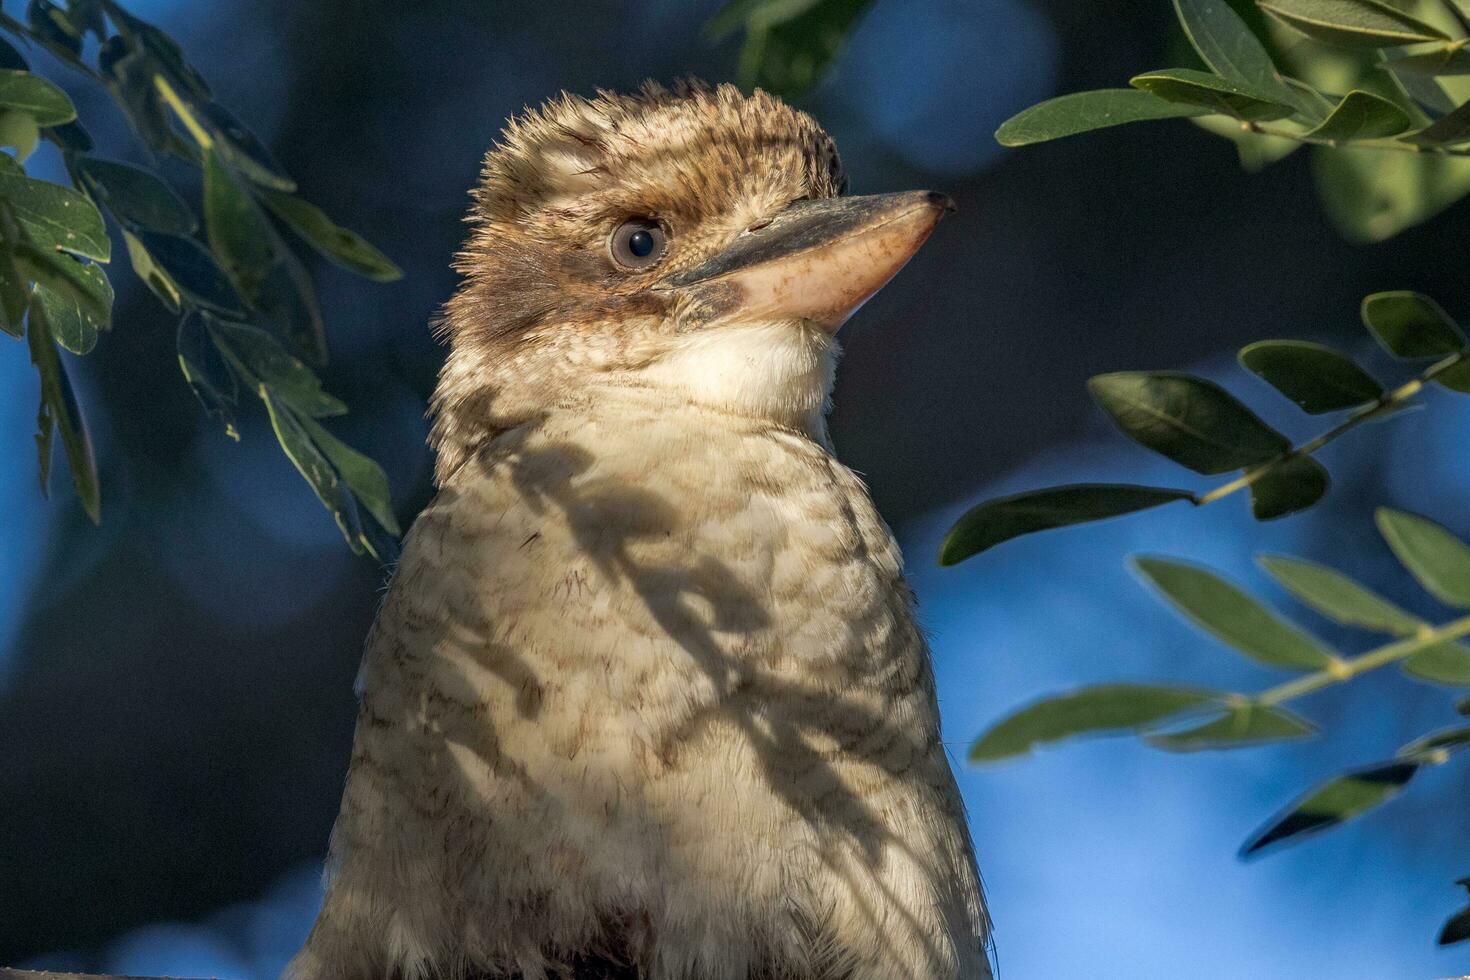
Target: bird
x=646, y=696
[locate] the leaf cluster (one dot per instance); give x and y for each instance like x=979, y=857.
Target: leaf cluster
x=1197, y=424
x=1189, y=719
x=249, y=317
x=1375, y=79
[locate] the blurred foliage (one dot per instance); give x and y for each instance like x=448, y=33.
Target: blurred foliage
x=249, y=317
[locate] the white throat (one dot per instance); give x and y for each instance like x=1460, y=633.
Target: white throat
x=778, y=371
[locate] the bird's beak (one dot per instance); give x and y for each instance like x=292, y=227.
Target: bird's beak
x=817, y=260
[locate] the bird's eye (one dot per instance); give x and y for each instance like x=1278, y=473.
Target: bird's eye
x=638, y=244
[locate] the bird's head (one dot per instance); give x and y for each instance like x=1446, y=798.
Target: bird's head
x=692, y=242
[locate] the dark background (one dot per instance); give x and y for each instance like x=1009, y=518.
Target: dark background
x=175, y=686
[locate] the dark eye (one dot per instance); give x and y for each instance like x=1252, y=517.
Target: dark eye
x=638, y=244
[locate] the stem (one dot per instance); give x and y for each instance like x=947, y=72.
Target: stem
x=1356, y=144
x=181, y=109
x=1386, y=403
x=1345, y=670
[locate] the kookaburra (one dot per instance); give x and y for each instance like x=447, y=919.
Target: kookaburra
x=646, y=697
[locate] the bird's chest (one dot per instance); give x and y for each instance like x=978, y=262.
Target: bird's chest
x=624, y=588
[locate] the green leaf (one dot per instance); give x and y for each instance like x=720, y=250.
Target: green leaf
x=75, y=296
x=1438, y=559
x=1107, y=707
x=1353, y=23
x=789, y=44
x=48, y=105
x=1083, y=112
x=173, y=265
x=1316, y=377
x=311, y=463
x=994, y=521
x=136, y=197
x=242, y=149
x=1446, y=131
x=1372, y=195
x=53, y=27
x=1338, y=597
x=1411, y=325
x=1456, y=377
x=1360, y=116
x=345, y=248
x=55, y=217
x=1234, y=617
x=1434, y=747
x=1190, y=420
x=1211, y=92
x=1446, y=664
x=59, y=412
x=1456, y=929
x=1227, y=45
x=1332, y=803
x=207, y=372
x=238, y=233
x=1241, y=726
x=263, y=357
x=19, y=132
x=363, y=477
x=262, y=268
x=1450, y=60
x=1288, y=487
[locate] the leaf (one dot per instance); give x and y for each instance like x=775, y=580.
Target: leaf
x=208, y=374
x=1450, y=60
x=1107, y=707
x=311, y=463
x=1434, y=747
x=1083, y=112
x=1211, y=92
x=262, y=268
x=994, y=521
x=1338, y=597
x=1242, y=726
x=1352, y=23
x=1446, y=664
x=1234, y=617
x=789, y=44
x=1360, y=116
x=1449, y=129
x=243, y=149
x=19, y=132
x=11, y=58
x=1411, y=325
x=260, y=354
x=1227, y=45
x=1456, y=377
x=1372, y=195
x=1256, y=151
x=53, y=27
x=1456, y=930
x=72, y=137
x=174, y=265
x=48, y=105
x=364, y=478
x=1332, y=803
x=136, y=197
x=315, y=461
x=1190, y=420
x=75, y=296
x=59, y=413
x=1288, y=487
x=55, y=217
x=345, y=248
x=1316, y=377
x=1438, y=559
x=238, y=233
